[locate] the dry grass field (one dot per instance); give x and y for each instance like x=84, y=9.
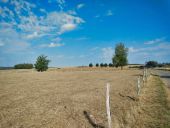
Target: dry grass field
x=65, y=98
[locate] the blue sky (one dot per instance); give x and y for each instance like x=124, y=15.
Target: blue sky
x=77, y=32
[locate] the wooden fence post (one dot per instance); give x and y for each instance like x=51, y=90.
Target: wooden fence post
x=138, y=86
x=108, y=105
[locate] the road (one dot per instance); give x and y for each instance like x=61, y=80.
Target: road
x=164, y=75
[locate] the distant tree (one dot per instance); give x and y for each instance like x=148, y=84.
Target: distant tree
x=101, y=65
x=23, y=66
x=110, y=65
x=90, y=65
x=105, y=65
x=120, y=57
x=151, y=64
x=41, y=63
x=97, y=65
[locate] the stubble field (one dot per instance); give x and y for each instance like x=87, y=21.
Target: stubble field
x=65, y=98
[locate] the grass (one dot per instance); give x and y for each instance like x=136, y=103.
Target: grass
x=155, y=109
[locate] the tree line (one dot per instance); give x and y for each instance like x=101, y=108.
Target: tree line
x=119, y=59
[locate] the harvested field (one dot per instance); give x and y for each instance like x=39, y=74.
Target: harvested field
x=64, y=98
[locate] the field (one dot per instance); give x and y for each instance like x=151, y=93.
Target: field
x=65, y=98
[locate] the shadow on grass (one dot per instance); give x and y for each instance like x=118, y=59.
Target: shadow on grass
x=91, y=121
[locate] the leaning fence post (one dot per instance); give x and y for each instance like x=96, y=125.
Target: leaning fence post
x=138, y=86
x=108, y=105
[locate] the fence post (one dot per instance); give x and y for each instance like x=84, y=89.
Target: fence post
x=143, y=75
x=138, y=86
x=108, y=105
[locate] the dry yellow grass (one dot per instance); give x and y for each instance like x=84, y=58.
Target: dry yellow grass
x=63, y=98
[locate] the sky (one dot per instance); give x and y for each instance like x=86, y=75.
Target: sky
x=79, y=32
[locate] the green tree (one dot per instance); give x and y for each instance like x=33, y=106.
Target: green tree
x=151, y=64
x=42, y=63
x=101, y=65
x=97, y=65
x=110, y=65
x=120, y=57
x=105, y=65
x=90, y=65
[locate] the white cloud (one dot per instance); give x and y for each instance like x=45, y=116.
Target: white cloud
x=33, y=35
x=21, y=17
x=12, y=41
x=156, y=52
x=60, y=3
x=67, y=27
x=71, y=12
x=109, y=13
x=158, y=40
x=107, y=54
x=51, y=45
x=79, y=6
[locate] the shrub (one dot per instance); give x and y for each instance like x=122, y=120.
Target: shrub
x=90, y=65
x=151, y=64
x=110, y=65
x=105, y=65
x=101, y=65
x=97, y=65
x=23, y=66
x=42, y=63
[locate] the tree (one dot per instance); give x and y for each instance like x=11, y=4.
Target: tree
x=110, y=65
x=41, y=63
x=105, y=65
x=97, y=65
x=151, y=64
x=120, y=57
x=101, y=65
x=90, y=65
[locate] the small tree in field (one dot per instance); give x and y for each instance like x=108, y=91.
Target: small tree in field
x=110, y=65
x=105, y=65
x=97, y=65
x=42, y=63
x=120, y=57
x=101, y=65
x=90, y=65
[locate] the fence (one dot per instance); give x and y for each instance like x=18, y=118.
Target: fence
x=141, y=82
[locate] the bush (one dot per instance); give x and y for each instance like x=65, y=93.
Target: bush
x=90, y=65
x=105, y=65
x=101, y=65
x=151, y=64
x=97, y=65
x=23, y=66
x=110, y=65
x=42, y=63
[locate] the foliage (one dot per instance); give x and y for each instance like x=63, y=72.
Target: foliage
x=110, y=65
x=101, y=65
x=105, y=65
x=151, y=64
x=23, y=66
x=120, y=57
x=97, y=65
x=90, y=65
x=42, y=63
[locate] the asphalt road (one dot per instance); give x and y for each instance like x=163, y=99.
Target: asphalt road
x=164, y=75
